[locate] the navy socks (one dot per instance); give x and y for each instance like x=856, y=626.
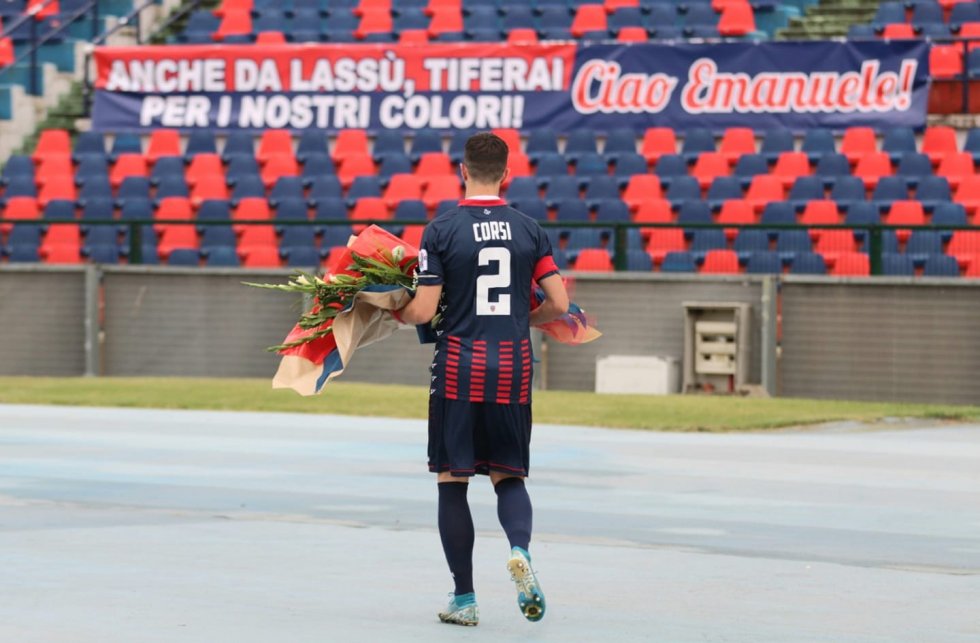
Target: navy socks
x=514, y=511
x=457, y=534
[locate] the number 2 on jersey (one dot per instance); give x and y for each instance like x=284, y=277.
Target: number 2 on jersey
x=484, y=306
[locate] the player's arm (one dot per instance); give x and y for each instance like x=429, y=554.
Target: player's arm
x=423, y=306
x=555, y=302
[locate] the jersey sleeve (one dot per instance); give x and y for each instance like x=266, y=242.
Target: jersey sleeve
x=430, y=258
x=545, y=265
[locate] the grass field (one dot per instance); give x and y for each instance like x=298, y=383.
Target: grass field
x=671, y=413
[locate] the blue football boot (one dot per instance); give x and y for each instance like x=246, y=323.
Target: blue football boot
x=530, y=598
x=462, y=610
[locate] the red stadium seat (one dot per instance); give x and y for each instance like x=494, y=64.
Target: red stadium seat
x=790, y=166
x=441, y=188
x=971, y=31
x=973, y=269
x=632, y=34
x=858, y=141
x=905, y=213
x=270, y=38
x=61, y=187
x=820, y=211
x=51, y=143
x=365, y=6
x=204, y=166
x=257, y=236
x=368, y=208
x=436, y=6
x=945, y=61
x=277, y=167
x=720, y=262
x=233, y=5
x=273, y=144
x=176, y=236
x=898, y=31
x=763, y=189
x=851, y=264
x=208, y=187
x=965, y=246
x=640, y=189
x=21, y=208
x=833, y=243
x=374, y=21
x=257, y=257
x=6, y=52
x=446, y=20
x=518, y=164
x=413, y=36
x=956, y=167
x=62, y=235
x=737, y=19
x=350, y=142
x=234, y=23
x=523, y=36
x=664, y=240
x=871, y=167
x=708, y=167
x=176, y=208
x=511, y=136
x=653, y=211
x=403, y=187
x=736, y=142
x=251, y=208
x=434, y=164
x=53, y=167
x=938, y=142
x=64, y=253
x=736, y=211
x=658, y=141
x=163, y=142
x=412, y=235
x=125, y=166
x=593, y=260
x=354, y=166
x=40, y=10
x=589, y=17
x=612, y=5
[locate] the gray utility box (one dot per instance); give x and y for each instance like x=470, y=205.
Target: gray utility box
x=639, y=374
x=716, y=346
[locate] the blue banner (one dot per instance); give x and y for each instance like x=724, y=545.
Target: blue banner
x=565, y=86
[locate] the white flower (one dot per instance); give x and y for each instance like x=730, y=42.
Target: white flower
x=398, y=253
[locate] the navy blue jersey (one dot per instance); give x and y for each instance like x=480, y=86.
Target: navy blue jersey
x=485, y=254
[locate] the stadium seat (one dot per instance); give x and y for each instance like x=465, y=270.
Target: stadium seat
x=593, y=260
x=938, y=141
x=572, y=211
x=633, y=34
x=588, y=17
x=764, y=263
x=682, y=190
x=940, y=266
x=697, y=140
x=736, y=142
x=678, y=261
x=808, y=263
x=858, y=142
x=665, y=240
x=968, y=194
x=897, y=265
x=898, y=31
x=439, y=188
x=775, y=142
x=637, y=260
x=897, y=141
x=350, y=142
x=434, y=164
x=948, y=214
x=403, y=187
x=749, y=166
x=817, y=142
x=669, y=167
x=946, y=61
x=965, y=246
x=955, y=167
x=737, y=19
x=720, y=262
x=763, y=190
x=750, y=241
x=790, y=166
x=601, y=188
x=627, y=165
x=922, y=244
x=708, y=166
x=658, y=141
x=52, y=143
x=804, y=190
x=905, y=213
x=560, y=189
x=791, y=242
x=722, y=189
x=21, y=208
x=872, y=166
x=641, y=188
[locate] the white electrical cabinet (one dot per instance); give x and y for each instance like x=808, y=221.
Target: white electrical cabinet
x=639, y=374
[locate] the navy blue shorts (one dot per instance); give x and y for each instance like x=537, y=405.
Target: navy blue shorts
x=466, y=438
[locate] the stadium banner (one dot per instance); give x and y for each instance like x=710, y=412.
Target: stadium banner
x=561, y=85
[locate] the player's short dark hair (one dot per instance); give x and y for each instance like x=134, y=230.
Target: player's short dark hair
x=485, y=157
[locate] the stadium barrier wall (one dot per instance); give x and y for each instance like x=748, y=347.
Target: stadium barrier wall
x=870, y=339
x=890, y=339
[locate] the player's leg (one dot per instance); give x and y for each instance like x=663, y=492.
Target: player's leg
x=448, y=429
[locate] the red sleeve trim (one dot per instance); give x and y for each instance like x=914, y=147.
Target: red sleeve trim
x=545, y=266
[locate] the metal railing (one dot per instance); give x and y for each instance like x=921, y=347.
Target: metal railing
x=618, y=236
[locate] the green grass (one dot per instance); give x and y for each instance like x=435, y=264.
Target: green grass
x=674, y=413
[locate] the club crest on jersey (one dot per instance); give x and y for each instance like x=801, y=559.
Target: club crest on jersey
x=486, y=211
x=423, y=260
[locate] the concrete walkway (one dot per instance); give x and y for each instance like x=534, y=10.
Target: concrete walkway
x=130, y=526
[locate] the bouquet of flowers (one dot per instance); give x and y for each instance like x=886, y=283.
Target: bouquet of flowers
x=376, y=274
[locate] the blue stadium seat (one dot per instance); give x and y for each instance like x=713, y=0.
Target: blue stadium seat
x=101, y=235
x=817, y=142
x=860, y=32
x=522, y=188
x=561, y=188
x=411, y=210
x=89, y=145
x=678, y=262
x=445, y=206
x=286, y=187
x=666, y=32
x=764, y=263
x=897, y=265
x=102, y=209
x=627, y=164
x=221, y=257
x=388, y=142
x=694, y=211
x=184, y=257
x=316, y=165
x=750, y=241
x=167, y=166
x=328, y=209
x=682, y=190
x=550, y=165
x=722, y=189
x=804, y=190
x=246, y=187
x=425, y=141
x=101, y=253
x=847, y=191
x=217, y=236
x=669, y=167
x=749, y=166
x=200, y=142
x=601, y=188
x=704, y=240
x=626, y=17
x=572, y=210
x=410, y=19
x=201, y=23
x=124, y=143
x=889, y=190
x=581, y=238
x=481, y=18
x=888, y=13
x=941, y=266
x=457, y=142
x=297, y=237
x=541, y=141
x=638, y=260
x=696, y=141
x=580, y=142
x=94, y=188
x=591, y=165
x=291, y=210
x=619, y=141
x=534, y=208
x=312, y=143
x=612, y=210
x=973, y=71
x=948, y=214
x=59, y=210
x=301, y=257
x=363, y=186
x=922, y=244
x=214, y=210
x=897, y=141
x=238, y=145
x=808, y=263
x=17, y=166
x=240, y=167
x=699, y=15
x=92, y=168
x=831, y=167
x=791, y=242
x=134, y=210
x=932, y=192
x=519, y=17
x=963, y=12
x=913, y=167
x=133, y=187
x=775, y=142
x=862, y=213
x=926, y=13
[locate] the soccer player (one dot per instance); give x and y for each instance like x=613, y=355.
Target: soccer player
x=475, y=270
